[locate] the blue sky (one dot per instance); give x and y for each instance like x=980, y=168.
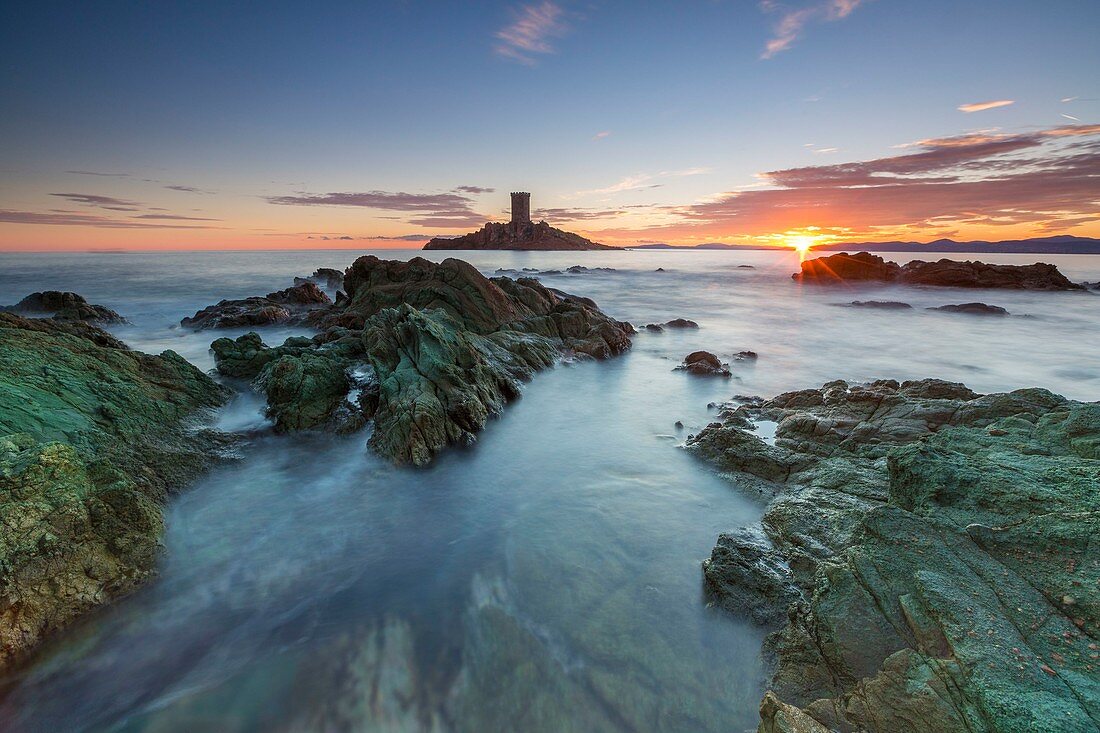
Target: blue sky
x=626, y=116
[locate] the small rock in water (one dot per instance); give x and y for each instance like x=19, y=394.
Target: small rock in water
x=654, y=328
x=64, y=306
x=659, y=269
x=745, y=355
x=883, y=304
x=681, y=323
x=679, y=425
x=704, y=363
x=975, y=309
x=745, y=267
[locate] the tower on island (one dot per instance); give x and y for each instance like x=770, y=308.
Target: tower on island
x=521, y=207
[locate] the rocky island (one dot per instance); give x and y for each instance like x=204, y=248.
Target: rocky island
x=928, y=558
x=519, y=234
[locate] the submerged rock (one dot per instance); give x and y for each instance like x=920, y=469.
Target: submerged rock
x=446, y=348
x=681, y=323
x=883, y=304
x=975, y=309
x=704, y=363
x=93, y=439
x=284, y=306
x=863, y=266
x=64, y=306
x=654, y=328
x=326, y=277
x=931, y=560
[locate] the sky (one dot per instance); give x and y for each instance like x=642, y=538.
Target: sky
x=177, y=125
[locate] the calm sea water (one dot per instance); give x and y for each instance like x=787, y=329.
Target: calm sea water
x=546, y=579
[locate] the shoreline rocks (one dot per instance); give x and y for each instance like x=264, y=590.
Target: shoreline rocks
x=445, y=348
x=93, y=439
x=64, y=306
x=866, y=267
x=286, y=307
x=928, y=557
x=325, y=277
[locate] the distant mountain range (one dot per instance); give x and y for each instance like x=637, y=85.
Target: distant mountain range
x=1060, y=245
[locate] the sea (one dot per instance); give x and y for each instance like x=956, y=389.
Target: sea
x=547, y=577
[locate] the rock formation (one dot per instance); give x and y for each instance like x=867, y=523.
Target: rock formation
x=928, y=558
x=531, y=236
x=63, y=306
x=93, y=438
x=285, y=307
x=704, y=363
x=428, y=351
x=326, y=277
x=974, y=309
x=863, y=266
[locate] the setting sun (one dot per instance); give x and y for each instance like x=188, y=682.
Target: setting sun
x=801, y=244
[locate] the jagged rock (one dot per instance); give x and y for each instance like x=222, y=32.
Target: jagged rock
x=976, y=309
x=581, y=269
x=942, y=542
x=64, y=306
x=883, y=304
x=517, y=236
x=746, y=355
x=326, y=277
x=681, y=323
x=863, y=266
x=284, y=306
x=93, y=438
x=446, y=348
x=654, y=328
x=704, y=363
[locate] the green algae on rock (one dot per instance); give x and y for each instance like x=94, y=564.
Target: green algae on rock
x=929, y=555
x=93, y=438
x=427, y=350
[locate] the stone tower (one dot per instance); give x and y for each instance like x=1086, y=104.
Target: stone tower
x=521, y=207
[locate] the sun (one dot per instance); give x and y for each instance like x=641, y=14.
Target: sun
x=800, y=244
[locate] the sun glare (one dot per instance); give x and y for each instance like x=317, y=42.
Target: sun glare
x=800, y=244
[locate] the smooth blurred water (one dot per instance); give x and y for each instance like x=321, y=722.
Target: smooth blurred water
x=546, y=578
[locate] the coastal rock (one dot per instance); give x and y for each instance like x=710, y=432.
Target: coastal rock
x=881, y=304
x=289, y=306
x=975, y=309
x=681, y=323
x=654, y=328
x=446, y=348
x=746, y=355
x=93, y=439
x=940, y=542
x=64, y=306
x=326, y=277
x=523, y=236
x=863, y=266
x=704, y=363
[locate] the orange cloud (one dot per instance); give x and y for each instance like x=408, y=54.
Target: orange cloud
x=981, y=106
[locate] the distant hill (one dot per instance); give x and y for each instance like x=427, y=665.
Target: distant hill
x=523, y=236
x=1058, y=245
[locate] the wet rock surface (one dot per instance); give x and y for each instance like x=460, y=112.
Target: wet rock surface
x=705, y=364
x=928, y=556
x=64, y=306
x=326, y=277
x=445, y=346
x=287, y=307
x=863, y=266
x=93, y=438
x=974, y=309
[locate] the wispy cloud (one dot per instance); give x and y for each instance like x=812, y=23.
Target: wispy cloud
x=1071, y=117
x=98, y=173
x=563, y=214
x=102, y=202
x=474, y=189
x=982, y=106
x=186, y=189
x=793, y=21
x=642, y=180
x=92, y=220
x=601, y=135
x=532, y=33
x=434, y=209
